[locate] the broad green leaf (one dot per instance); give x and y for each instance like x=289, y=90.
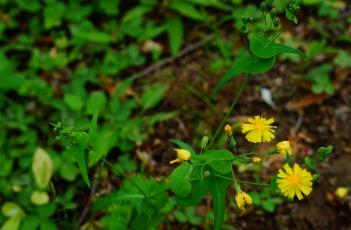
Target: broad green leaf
x=118, y=198
x=96, y=102
x=187, y=9
x=68, y=171
x=218, y=189
x=153, y=95
x=30, y=222
x=9, y=78
x=179, y=180
x=265, y=48
x=175, y=31
x=53, y=14
x=136, y=13
x=181, y=144
x=39, y=197
x=245, y=63
x=198, y=191
x=48, y=225
x=73, y=101
x=42, y=168
x=102, y=145
x=343, y=59
x=158, y=117
x=219, y=160
x=269, y=205
x=10, y=209
x=12, y=224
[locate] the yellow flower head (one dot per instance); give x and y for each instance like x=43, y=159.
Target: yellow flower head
x=259, y=129
x=294, y=181
x=284, y=147
x=182, y=155
x=256, y=159
x=242, y=199
x=341, y=192
x=228, y=130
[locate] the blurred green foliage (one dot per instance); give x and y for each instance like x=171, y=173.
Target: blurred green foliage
x=66, y=77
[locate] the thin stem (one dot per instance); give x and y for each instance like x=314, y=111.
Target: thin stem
x=127, y=178
x=253, y=183
x=231, y=108
x=242, y=181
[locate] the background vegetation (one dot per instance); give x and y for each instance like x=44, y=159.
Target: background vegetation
x=94, y=95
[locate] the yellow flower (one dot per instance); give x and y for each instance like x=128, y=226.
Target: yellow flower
x=242, y=199
x=182, y=155
x=259, y=129
x=341, y=192
x=228, y=130
x=294, y=181
x=284, y=147
x=256, y=159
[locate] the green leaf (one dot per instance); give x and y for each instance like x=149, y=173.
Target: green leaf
x=153, y=95
x=198, y=191
x=73, y=101
x=53, y=14
x=42, y=168
x=10, y=209
x=256, y=198
x=289, y=15
x=269, y=205
x=179, y=180
x=181, y=144
x=96, y=102
x=273, y=186
x=12, y=224
x=264, y=48
x=311, y=2
x=343, y=59
x=175, y=31
x=158, y=117
x=102, y=145
x=324, y=152
x=310, y=163
x=218, y=189
x=219, y=160
x=245, y=63
x=47, y=225
x=187, y=9
x=30, y=223
x=39, y=197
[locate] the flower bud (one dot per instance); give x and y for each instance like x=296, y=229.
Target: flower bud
x=228, y=130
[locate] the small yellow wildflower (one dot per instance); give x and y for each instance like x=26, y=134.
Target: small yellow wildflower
x=182, y=155
x=341, y=192
x=294, y=181
x=284, y=147
x=228, y=130
x=256, y=159
x=242, y=199
x=259, y=129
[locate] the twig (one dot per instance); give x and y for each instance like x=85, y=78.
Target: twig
x=92, y=192
x=190, y=48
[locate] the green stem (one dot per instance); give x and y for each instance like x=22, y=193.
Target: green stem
x=231, y=108
x=127, y=178
x=241, y=181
